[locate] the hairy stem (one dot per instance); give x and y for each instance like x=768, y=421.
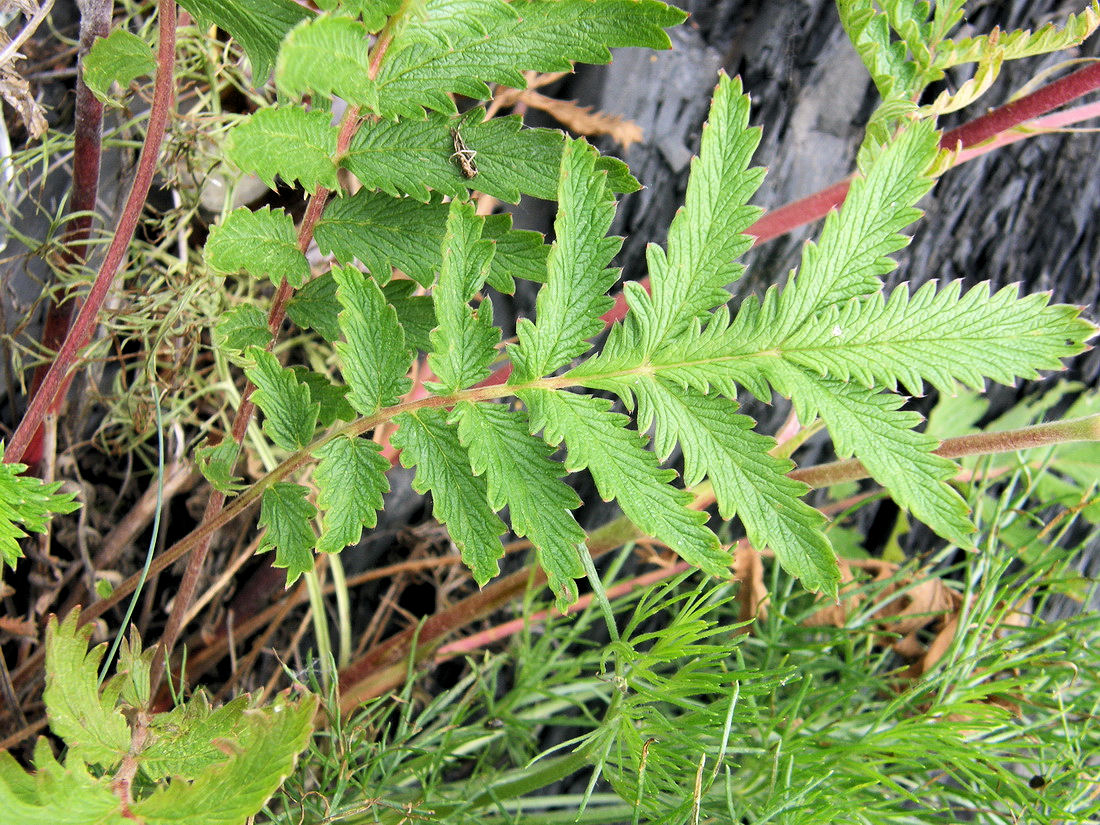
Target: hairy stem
x=58, y=375
x=95, y=22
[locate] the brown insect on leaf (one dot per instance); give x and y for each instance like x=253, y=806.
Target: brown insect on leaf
x=463, y=155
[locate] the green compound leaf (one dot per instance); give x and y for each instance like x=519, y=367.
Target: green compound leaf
x=520, y=476
x=258, y=25
x=261, y=243
x=569, y=306
x=289, y=142
x=454, y=46
x=463, y=345
x=290, y=414
x=748, y=483
x=625, y=470
x=328, y=56
x=871, y=426
x=413, y=156
x=263, y=751
x=54, y=794
x=25, y=504
x=856, y=241
x=374, y=355
x=94, y=729
x=287, y=515
x=705, y=237
x=383, y=232
x=459, y=498
x=351, y=479
x=940, y=337
x=120, y=58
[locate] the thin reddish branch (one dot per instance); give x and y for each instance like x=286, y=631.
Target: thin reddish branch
x=95, y=22
x=189, y=583
x=58, y=376
x=816, y=206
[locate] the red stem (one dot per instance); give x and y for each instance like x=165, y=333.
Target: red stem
x=816, y=206
x=59, y=373
x=95, y=22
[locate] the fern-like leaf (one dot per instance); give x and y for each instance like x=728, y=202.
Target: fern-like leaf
x=569, y=306
x=856, y=241
x=600, y=441
x=459, y=498
x=940, y=337
x=464, y=343
x=520, y=476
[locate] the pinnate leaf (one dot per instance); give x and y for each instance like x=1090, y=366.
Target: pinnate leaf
x=262, y=243
x=705, y=236
x=459, y=498
x=568, y=307
x=856, y=241
x=25, y=504
x=940, y=337
x=625, y=470
x=351, y=478
x=521, y=477
x=749, y=483
x=242, y=327
x=871, y=426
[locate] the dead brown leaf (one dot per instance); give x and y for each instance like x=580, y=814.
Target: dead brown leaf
x=580, y=119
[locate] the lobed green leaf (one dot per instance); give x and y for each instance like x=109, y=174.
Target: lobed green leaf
x=290, y=414
x=375, y=359
x=287, y=517
x=463, y=344
x=459, y=498
x=351, y=480
x=261, y=243
x=288, y=142
x=520, y=476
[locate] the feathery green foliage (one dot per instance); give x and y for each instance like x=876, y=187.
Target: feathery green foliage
x=25, y=504
x=828, y=340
